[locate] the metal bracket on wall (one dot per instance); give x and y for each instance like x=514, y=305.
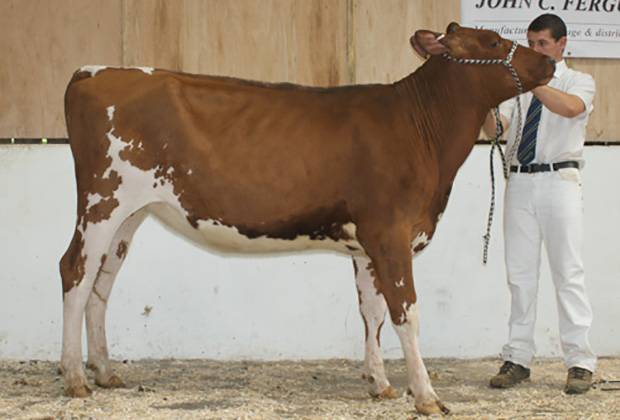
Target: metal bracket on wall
x=44, y=140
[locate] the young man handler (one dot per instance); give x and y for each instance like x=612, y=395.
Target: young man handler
x=543, y=204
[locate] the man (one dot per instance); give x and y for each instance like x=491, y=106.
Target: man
x=543, y=204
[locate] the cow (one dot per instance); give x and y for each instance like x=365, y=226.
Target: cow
x=247, y=167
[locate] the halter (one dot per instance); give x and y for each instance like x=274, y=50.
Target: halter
x=506, y=62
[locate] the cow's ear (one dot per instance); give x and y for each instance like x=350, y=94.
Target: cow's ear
x=453, y=26
x=427, y=43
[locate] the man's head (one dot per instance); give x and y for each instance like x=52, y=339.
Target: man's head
x=547, y=35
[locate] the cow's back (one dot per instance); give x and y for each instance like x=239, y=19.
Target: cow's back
x=275, y=161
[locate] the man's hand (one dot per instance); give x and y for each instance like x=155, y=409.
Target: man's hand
x=489, y=127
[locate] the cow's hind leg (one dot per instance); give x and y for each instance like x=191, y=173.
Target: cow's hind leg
x=372, y=309
x=79, y=267
x=98, y=359
x=390, y=253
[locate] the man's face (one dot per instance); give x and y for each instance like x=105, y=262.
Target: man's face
x=544, y=43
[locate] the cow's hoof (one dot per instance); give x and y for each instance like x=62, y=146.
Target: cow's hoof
x=432, y=407
x=80, y=391
x=112, y=382
x=388, y=393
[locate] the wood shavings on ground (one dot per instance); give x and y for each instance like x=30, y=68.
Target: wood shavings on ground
x=330, y=389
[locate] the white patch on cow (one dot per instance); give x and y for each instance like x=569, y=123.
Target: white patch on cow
x=410, y=315
x=372, y=309
x=421, y=239
x=218, y=237
x=73, y=302
x=93, y=199
x=189, y=172
x=400, y=283
x=147, y=70
x=165, y=146
x=419, y=382
x=403, y=316
x=134, y=179
x=131, y=193
x=136, y=144
x=93, y=69
x=110, y=110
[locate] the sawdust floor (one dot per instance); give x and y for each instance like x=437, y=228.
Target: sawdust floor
x=333, y=389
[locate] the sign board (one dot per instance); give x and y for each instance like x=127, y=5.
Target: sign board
x=593, y=25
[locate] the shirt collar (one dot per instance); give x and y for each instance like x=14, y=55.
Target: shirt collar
x=560, y=68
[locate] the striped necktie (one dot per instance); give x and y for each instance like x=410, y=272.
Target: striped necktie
x=527, y=147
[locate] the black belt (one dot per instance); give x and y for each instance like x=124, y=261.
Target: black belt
x=544, y=167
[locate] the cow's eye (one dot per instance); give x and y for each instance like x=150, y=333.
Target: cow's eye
x=495, y=44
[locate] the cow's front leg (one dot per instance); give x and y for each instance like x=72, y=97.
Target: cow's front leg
x=391, y=260
x=372, y=309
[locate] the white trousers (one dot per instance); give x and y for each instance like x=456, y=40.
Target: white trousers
x=546, y=207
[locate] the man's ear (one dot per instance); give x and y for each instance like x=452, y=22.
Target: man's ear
x=562, y=41
x=427, y=43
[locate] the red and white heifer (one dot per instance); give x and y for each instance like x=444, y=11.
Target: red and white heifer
x=248, y=167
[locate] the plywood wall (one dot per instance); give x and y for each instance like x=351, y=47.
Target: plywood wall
x=41, y=43
x=604, y=124
x=381, y=32
x=299, y=41
x=313, y=42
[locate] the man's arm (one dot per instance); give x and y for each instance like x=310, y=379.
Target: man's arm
x=559, y=102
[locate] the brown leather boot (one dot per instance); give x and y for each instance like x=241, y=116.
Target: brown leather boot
x=509, y=375
x=578, y=381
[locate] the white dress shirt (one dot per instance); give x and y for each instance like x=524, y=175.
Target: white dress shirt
x=559, y=138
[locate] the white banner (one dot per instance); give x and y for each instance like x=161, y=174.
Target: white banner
x=593, y=25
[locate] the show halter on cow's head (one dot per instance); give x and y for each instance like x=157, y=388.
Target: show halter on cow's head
x=469, y=46
x=427, y=43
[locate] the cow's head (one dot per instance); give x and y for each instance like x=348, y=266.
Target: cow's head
x=470, y=45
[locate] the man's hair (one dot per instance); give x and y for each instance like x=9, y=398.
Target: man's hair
x=554, y=23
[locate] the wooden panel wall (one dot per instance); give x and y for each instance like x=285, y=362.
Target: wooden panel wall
x=604, y=123
x=299, y=41
x=314, y=42
x=42, y=43
x=382, y=30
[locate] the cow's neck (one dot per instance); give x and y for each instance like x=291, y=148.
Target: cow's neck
x=447, y=112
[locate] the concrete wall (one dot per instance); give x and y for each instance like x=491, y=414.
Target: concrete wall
x=301, y=306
